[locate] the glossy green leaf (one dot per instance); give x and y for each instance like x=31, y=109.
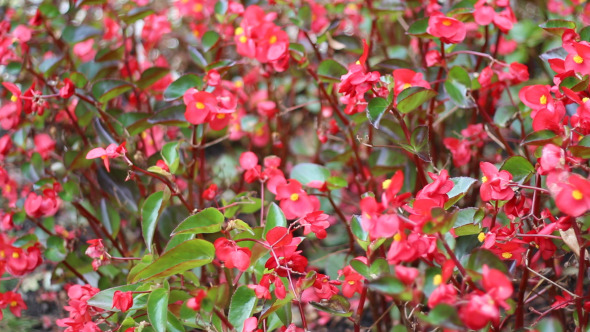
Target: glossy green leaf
x=558, y=27
x=274, y=218
x=157, y=309
x=75, y=34
x=541, y=137
x=241, y=307
x=150, y=212
x=151, y=76
x=208, y=220
x=171, y=156
x=209, y=40
x=104, y=298
x=376, y=109
x=183, y=257
x=481, y=257
x=331, y=70
x=387, y=285
x=106, y=90
x=418, y=28
x=177, y=88
x=519, y=167
x=412, y=98
x=136, y=14
x=55, y=249
x=460, y=188
x=308, y=172
x=337, y=305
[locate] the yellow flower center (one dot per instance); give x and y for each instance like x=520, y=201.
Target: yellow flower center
x=506, y=255
x=294, y=197
x=221, y=116
x=484, y=179
x=2, y=254
x=397, y=237
x=578, y=59
x=273, y=39
x=437, y=280
x=199, y=105
x=543, y=100
x=239, y=31
x=585, y=99
x=358, y=62
x=481, y=237
x=577, y=195
x=196, y=33
x=15, y=255
x=447, y=23
x=13, y=304
x=386, y=184
x=243, y=39
x=407, y=85
x=13, y=99
x=198, y=8
x=352, y=6
x=351, y=282
x=7, y=188
x=238, y=84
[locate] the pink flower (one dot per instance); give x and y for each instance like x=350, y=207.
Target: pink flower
x=44, y=205
x=570, y=191
x=199, y=105
x=407, y=78
x=295, y=202
x=44, y=145
x=479, y=311
x=495, y=184
x=445, y=293
x=194, y=302
x=316, y=222
x=552, y=158
x=112, y=151
x=122, y=300
x=449, y=30
x=231, y=254
x=84, y=50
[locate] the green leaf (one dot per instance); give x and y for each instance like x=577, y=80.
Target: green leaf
x=331, y=71
x=461, y=186
x=157, y=309
x=241, y=307
x=466, y=217
x=585, y=33
x=307, y=172
x=274, y=218
x=418, y=28
x=108, y=89
x=481, y=257
x=558, y=27
x=376, y=109
x=411, y=98
x=174, y=324
x=337, y=305
x=442, y=315
x=150, y=212
x=549, y=324
x=110, y=218
x=104, y=298
x=171, y=156
x=55, y=249
x=361, y=268
x=210, y=38
x=78, y=79
x=49, y=11
x=387, y=285
x=206, y=221
x=74, y=35
x=136, y=14
x=457, y=86
x=519, y=167
x=183, y=257
x=151, y=76
x=541, y=137
x=177, y=88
